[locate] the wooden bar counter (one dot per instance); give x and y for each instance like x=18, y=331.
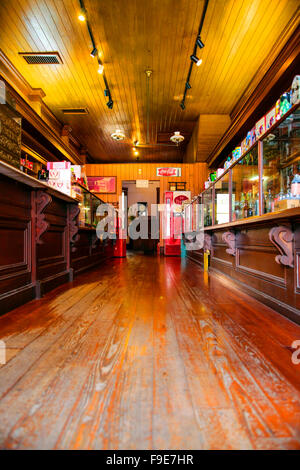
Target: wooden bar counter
x=42, y=245
x=262, y=255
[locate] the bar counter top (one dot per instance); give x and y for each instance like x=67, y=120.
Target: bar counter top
x=272, y=216
x=23, y=178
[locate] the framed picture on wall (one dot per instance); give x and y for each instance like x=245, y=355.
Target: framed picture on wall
x=102, y=184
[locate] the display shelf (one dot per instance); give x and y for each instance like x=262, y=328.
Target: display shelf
x=263, y=180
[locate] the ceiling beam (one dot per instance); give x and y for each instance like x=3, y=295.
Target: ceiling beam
x=207, y=132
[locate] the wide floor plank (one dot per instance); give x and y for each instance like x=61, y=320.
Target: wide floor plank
x=148, y=353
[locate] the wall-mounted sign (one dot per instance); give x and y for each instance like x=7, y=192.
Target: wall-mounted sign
x=102, y=184
x=142, y=183
x=168, y=171
x=180, y=198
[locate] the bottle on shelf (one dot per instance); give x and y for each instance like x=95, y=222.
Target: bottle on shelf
x=269, y=202
x=256, y=204
x=245, y=208
x=250, y=204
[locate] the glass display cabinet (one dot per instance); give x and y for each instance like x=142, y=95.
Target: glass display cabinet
x=281, y=165
x=222, y=202
x=245, y=186
x=265, y=179
x=207, y=203
x=88, y=204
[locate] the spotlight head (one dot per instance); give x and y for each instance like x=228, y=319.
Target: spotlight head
x=182, y=105
x=188, y=86
x=199, y=43
x=94, y=52
x=136, y=143
x=110, y=104
x=196, y=60
x=82, y=15
x=106, y=92
x=100, y=68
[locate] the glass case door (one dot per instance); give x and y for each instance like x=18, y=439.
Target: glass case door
x=281, y=165
x=222, y=201
x=207, y=201
x=245, y=186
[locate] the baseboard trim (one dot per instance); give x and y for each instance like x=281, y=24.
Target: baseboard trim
x=17, y=297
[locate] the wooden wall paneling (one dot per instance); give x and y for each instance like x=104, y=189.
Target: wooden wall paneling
x=16, y=281
x=254, y=267
x=52, y=253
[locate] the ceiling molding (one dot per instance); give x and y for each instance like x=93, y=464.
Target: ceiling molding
x=29, y=103
x=244, y=110
x=288, y=31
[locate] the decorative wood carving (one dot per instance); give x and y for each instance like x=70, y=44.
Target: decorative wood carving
x=282, y=237
x=229, y=239
x=207, y=242
x=73, y=226
x=42, y=200
x=94, y=241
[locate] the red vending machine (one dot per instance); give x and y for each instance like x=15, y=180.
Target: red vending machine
x=120, y=242
x=172, y=226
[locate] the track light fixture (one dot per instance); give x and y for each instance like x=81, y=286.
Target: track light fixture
x=94, y=52
x=199, y=43
x=195, y=59
x=100, y=68
x=82, y=14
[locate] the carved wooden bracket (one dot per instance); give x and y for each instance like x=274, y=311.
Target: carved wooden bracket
x=229, y=239
x=73, y=226
x=207, y=245
x=42, y=200
x=282, y=237
x=94, y=241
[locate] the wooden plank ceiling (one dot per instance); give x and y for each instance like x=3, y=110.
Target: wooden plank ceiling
x=133, y=36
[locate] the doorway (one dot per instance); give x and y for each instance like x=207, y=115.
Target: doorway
x=140, y=199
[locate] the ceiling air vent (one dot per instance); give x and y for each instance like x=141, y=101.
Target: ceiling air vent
x=41, y=58
x=75, y=111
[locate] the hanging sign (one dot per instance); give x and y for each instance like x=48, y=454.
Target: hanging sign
x=168, y=171
x=142, y=183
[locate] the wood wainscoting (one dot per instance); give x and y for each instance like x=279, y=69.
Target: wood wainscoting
x=41, y=244
x=262, y=257
x=16, y=257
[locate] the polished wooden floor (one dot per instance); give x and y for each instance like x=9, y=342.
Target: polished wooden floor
x=148, y=353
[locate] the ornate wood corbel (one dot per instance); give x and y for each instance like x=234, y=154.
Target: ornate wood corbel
x=94, y=241
x=282, y=237
x=42, y=200
x=73, y=226
x=207, y=245
x=229, y=239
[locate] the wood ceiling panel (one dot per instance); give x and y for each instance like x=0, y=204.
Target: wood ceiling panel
x=240, y=36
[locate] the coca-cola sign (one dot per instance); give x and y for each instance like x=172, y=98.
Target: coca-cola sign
x=180, y=199
x=168, y=171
